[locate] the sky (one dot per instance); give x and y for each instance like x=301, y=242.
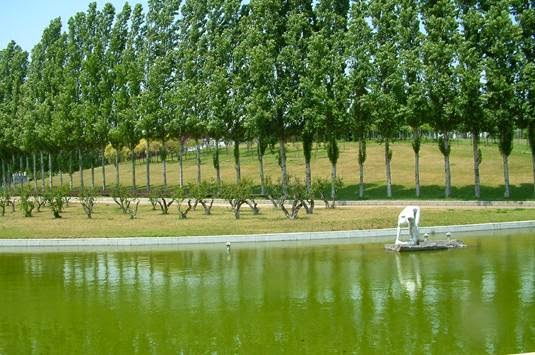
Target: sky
x=24, y=20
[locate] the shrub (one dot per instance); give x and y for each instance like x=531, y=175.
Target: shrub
x=27, y=202
x=132, y=211
x=181, y=196
x=297, y=193
x=203, y=194
x=122, y=197
x=237, y=195
x=324, y=187
x=87, y=200
x=274, y=192
x=55, y=199
x=5, y=200
x=164, y=199
x=39, y=198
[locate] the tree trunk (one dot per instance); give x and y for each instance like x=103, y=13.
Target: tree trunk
x=198, y=159
x=7, y=174
x=71, y=183
x=92, y=172
x=148, y=165
x=217, y=166
x=262, y=176
x=237, y=166
x=507, y=192
x=103, y=162
x=361, y=168
x=164, y=165
x=28, y=168
x=333, y=185
x=34, y=171
x=417, y=173
x=531, y=141
x=284, y=174
x=308, y=176
x=58, y=163
x=4, y=181
x=117, y=176
x=81, y=168
x=133, y=158
x=388, y=172
x=51, y=181
x=533, y=167
x=475, y=150
x=181, y=163
x=42, y=171
x=447, y=172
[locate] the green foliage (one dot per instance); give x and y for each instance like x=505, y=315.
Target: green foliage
x=444, y=146
x=215, y=158
x=333, y=152
x=362, y=152
x=270, y=71
x=416, y=141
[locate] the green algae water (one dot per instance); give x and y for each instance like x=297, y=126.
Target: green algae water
x=268, y=299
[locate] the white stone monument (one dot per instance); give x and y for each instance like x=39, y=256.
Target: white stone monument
x=410, y=215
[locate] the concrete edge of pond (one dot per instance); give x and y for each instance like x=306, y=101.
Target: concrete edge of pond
x=9, y=245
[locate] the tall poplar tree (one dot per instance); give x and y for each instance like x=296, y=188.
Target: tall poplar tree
x=524, y=12
x=413, y=101
x=440, y=57
x=326, y=81
x=500, y=37
x=134, y=73
x=270, y=75
x=45, y=82
x=119, y=63
x=387, y=84
x=301, y=25
x=192, y=93
x=161, y=40
x=13, y=71
x=359, y=46
x=470, y=69
x=224, y=70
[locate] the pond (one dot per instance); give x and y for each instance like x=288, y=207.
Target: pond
x=272, y=298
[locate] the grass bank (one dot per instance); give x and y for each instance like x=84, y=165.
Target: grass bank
x=109, y=221
x=431, y=170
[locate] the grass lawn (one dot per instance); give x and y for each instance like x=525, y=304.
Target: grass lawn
x=109, y=221
x=431, y=170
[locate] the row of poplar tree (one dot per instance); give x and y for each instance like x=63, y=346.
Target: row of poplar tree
x=271, y=71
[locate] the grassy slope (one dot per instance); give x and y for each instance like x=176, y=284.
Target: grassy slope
x=431, y=170
x=108, y=221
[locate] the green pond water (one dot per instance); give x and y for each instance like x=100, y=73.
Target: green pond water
x=273, y=298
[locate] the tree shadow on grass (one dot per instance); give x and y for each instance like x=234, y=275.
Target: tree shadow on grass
x=522, y=192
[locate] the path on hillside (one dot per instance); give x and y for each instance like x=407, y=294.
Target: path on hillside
x=377, y=203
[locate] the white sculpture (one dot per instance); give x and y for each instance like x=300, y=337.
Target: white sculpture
x=411, y=216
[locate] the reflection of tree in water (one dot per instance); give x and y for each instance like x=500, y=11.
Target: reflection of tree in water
x=302, y=299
